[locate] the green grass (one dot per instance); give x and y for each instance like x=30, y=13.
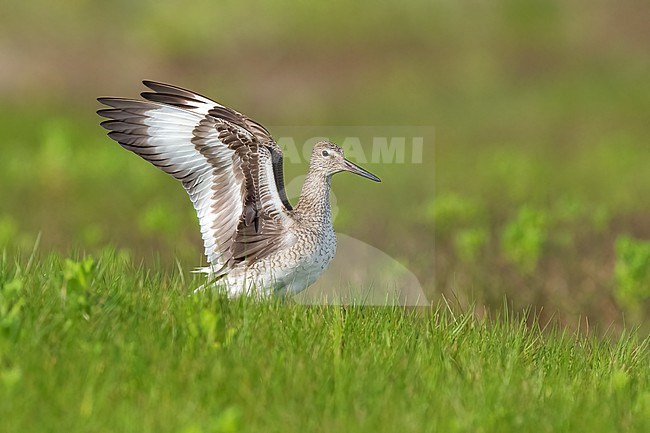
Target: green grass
x=105, y=346
x=534, y=190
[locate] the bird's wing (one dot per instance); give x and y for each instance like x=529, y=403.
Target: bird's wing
x=186, y=99
x=264, y=224
x=202, y=144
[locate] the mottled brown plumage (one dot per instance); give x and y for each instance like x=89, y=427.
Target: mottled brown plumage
x=232, y=170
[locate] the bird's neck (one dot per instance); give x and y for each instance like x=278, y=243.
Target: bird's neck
x=314, y=199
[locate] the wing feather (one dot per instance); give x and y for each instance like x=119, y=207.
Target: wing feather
x=162, y=135
x=229, y=165
x=177, y=96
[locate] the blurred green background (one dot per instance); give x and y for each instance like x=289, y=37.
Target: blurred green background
x=535, y=195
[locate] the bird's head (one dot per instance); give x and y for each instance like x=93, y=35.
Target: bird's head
x=328, y=158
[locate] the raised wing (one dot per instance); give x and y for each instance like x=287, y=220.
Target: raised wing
x=227, y=172
x=182, y=98
x=263, y=225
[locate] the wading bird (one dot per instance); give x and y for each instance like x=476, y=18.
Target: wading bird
x=231, y=167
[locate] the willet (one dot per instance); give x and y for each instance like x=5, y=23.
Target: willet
x=231, y=167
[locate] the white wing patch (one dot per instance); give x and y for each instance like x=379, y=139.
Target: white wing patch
x=165, y=136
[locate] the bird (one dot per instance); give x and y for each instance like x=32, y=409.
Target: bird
x=255, y=241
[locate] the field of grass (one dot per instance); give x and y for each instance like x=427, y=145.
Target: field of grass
x=526, y=220
x=94, y=346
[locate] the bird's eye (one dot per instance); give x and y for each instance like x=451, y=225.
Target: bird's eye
x=326, y=153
